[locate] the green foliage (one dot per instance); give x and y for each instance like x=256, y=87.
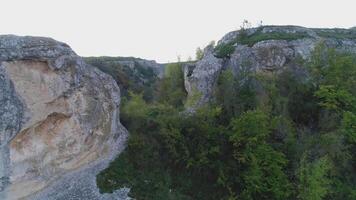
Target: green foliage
x=262, y=174
x=172, y=90
x=224, y=50
x=328, y=67
x=349, y=127
x=293, y=97
x=235, y=94
x=145, y=184
x=259, y=36
x=193, y=99
x=251, y=129
x=199, y=53
x=334, y=77
x=333, y=99
x=314, y=181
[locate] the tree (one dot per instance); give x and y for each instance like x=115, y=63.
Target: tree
x=199, y=53
x=314, y=183
x=172, y=90
x=262, y=166
x=348, y=127
x=335, y=99
x=235, y=94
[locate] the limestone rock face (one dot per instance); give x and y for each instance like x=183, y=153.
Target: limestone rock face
x=264, y=55
x=59, y=121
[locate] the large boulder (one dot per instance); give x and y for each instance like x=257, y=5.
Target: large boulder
x=59, y=121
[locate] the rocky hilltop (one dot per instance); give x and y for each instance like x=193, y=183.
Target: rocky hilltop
x=59, y=121
x=267, y=48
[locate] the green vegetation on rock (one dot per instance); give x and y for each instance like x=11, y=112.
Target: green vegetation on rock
x=259, y=36
x=226, y=49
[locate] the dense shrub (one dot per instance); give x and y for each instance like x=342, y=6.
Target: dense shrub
x=171, y=88
x=224, y=50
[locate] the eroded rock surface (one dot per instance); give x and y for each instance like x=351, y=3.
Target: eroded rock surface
x=59, y=122
x=263, y=55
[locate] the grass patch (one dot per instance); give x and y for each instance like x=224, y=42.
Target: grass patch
x=258, y=37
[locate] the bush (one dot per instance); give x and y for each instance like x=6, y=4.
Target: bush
x=235, y=94
x=224, y=50
x=314, y=183
x=171, y=88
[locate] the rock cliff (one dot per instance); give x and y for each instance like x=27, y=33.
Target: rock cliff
x=267, y=48
x=59, y=122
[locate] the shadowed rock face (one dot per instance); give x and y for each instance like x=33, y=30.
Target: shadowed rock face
x=263, y=55
x=59, y=122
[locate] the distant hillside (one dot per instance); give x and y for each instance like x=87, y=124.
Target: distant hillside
x=130, y=73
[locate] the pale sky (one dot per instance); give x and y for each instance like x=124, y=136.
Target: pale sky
x=160, y=29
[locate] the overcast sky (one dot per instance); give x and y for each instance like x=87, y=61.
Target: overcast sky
x=160, y=29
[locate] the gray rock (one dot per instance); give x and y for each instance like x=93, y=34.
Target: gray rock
x=13, y=47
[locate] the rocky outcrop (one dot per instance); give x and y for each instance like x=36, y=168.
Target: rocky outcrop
x=199, y=78
x=269, y=48
x=59, y=122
